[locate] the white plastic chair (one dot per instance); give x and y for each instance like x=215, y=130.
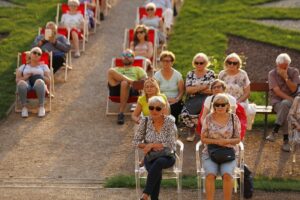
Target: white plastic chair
x=172, y=173
x=238, y=171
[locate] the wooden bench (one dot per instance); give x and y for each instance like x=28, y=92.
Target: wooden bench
x=265, y=109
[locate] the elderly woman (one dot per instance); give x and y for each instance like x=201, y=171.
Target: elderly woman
x=155, y=133
x=91, y=7
x=220, y=128
x=294, y=121
x=33, y=76
x=170, y=82
x=151, y=89
x=75, y=22
x=153, y=21
x=197, y=85
x=141, y=45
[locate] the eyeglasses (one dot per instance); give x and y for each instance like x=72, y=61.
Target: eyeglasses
x=199, y=63
x=220, y=105
x=232, y=63
x=127, y=55
x=140, y=32
x=217, y=87
x=167, y=61
x=36, y=53
x=150, y=9
x=157, y=108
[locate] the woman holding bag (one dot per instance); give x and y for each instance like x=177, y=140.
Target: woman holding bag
x=197, y=85
x=220, y=128
x=156, y=133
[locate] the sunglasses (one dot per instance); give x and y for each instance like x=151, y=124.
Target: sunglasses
x=220, y=105
x=199, y=63
x=36, y=53
x=157, y=108
x=232, y=63
x=127, y=55
x=217, y=87
x=150, y=9
x=140, y=32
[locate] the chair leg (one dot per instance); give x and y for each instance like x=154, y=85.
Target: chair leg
x=137, y=185
x=241, y=185
x=265, y=125
x=179, y=186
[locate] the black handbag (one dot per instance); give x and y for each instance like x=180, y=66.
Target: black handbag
x=194, y=103
x=220, y=154
x=166, y=152
x=33, y=78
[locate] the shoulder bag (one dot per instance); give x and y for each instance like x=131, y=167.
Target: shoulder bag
x=220, y=154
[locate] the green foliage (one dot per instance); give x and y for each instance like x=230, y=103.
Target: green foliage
x=204, y=26
x=21, y=23
x=190, y=182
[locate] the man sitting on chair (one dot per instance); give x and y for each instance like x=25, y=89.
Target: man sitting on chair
x=120, y=81
x=51, y=41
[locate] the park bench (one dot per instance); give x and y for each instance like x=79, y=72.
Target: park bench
x=265, y=109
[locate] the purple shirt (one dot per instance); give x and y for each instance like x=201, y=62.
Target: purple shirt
x=275, y=80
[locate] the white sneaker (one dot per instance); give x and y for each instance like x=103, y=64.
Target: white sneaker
x=24, y=112
x=77, y=54
x=42, y=112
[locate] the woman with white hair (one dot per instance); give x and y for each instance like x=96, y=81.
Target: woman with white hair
x=198, y=83
x=75, y=22
x=156, y=133
x=33, y=76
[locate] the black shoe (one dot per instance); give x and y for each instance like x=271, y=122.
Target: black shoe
x=121, y=118
x=101, y=16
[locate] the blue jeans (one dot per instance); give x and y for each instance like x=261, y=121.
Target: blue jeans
x=154, y=177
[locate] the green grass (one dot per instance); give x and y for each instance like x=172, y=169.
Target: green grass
x=22, y=24
x=190, y=182
x=204, y=26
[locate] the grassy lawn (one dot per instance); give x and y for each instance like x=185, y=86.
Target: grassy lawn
x=204, y=26
x=21, y=24
x=190, y=182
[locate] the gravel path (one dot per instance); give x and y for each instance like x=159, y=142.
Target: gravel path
x=283, y=3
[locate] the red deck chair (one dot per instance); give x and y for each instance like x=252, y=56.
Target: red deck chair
x=46, y=58
x=141, y=12
x=152, y=36
x=66, y=33
x=64, y=8
x=117, y=62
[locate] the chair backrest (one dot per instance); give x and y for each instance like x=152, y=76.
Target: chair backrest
x=81, y=8
x=118, y=62
x=261, y=87
x=142, y=12
x=60, y=30
x=45, y=58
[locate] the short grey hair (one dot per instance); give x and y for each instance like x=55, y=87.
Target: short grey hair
x=201, y=55
x=51, y=24
x=236, y=56
x=283, y=58
x=157, y=99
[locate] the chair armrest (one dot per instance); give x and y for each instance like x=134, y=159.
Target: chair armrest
x=180, y=156
x=136, y=159
x=241, y=154
x=198, y=159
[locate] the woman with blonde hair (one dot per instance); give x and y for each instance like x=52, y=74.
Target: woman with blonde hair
x=151, y=88
x=220, y=128
x=197, y=86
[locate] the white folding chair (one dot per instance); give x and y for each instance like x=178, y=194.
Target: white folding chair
x=172, y=173
x=238, y=171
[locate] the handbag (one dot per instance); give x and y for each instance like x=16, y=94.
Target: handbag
x=220, y=154
x=194, y=103
x=152, y=155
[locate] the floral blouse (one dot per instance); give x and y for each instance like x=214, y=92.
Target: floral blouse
x=235, y=84
x=166, y=136
x=193, y=80
x=211, y=129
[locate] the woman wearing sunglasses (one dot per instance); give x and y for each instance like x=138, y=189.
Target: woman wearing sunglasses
x=151, y=88
x=237, y=81
x=33, y=76
x=197, y=87
x=153, y=21
x=153, y=134
x=221, y=128
x=141, y=45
